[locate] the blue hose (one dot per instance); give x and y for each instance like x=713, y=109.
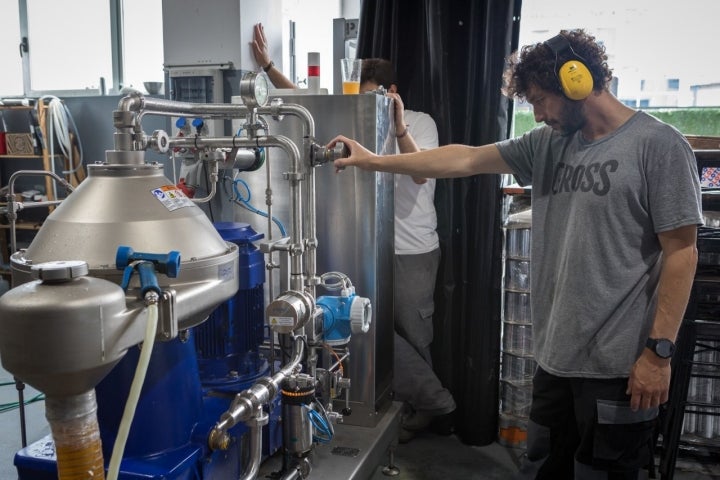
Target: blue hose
x=245, y=203
x=321, y=425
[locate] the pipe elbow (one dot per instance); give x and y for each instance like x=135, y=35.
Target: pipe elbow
x=131, y=103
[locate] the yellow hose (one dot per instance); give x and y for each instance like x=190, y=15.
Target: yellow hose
x=74, y=426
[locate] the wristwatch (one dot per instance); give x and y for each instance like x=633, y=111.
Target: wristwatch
x=662, y=347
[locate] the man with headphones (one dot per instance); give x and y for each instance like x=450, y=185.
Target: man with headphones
x=615, y=210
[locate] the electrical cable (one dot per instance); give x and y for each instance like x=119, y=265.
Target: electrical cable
x=58, y=123
x=245, y=203
x=337, y=357
x=343, y=282
x=227, y=192
x=7, y=407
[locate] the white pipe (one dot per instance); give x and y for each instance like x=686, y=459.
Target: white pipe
x=213, y=184
x=134, y=395
x=12, y=204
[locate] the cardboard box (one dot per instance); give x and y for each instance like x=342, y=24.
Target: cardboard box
x=19, y=144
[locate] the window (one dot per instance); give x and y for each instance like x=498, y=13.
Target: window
x=70, y=47
x=655, y=71
x=143, y=42
x=11, y=80
x=80, y=47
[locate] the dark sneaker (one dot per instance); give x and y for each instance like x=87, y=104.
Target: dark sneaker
x=416, y=421
x=405, y=435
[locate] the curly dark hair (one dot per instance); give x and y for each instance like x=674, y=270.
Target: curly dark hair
x=378, y=70
x=536, y=65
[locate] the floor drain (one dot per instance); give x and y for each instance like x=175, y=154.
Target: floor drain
x=346, y=451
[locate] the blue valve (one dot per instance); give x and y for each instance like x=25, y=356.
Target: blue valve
x=146, y=265
x=198, y=124
x=181, y=122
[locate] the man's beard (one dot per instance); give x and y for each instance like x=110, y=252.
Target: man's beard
x=572, y=118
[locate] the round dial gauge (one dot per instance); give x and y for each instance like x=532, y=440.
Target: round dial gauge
x=254, y=89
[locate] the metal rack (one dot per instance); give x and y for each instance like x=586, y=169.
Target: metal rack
x=35, y=155
x=691, y=425
x=690, y=421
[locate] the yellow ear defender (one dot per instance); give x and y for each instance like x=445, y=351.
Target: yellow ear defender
x=575, y=78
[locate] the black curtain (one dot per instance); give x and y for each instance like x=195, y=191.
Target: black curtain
x=449, y=57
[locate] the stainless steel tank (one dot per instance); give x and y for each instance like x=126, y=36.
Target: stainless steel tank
x=354, y=228
x=64, y=332
x=120, y=204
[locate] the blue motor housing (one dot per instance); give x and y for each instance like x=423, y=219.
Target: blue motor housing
x=228, y=342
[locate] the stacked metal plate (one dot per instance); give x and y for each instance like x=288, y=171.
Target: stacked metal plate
x=701, y=423
x=518, y=364
x=702, y=411
x=702, y=419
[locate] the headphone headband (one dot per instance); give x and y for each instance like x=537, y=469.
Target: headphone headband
x=559, y=44
x=575, y=79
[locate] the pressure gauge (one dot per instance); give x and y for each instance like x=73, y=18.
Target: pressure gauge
x=254, y=89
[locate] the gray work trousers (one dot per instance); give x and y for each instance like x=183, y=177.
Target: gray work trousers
x=414, y=380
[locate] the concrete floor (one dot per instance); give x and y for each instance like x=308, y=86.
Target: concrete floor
x=10, y=440
x=426, y=457
x=435, y=457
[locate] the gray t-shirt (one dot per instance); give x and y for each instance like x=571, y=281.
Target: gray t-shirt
x=596, y=210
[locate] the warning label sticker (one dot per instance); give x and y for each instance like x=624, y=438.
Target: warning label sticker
x=281, y=321
x=172, y=197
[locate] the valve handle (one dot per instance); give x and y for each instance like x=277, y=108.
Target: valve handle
x=146, y=264
x=167, y=263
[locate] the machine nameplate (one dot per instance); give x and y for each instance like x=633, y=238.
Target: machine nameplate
x=226, y=271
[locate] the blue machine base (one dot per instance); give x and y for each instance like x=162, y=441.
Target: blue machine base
x=37, y=462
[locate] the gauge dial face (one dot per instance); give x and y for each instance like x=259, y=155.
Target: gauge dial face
x=260, y=87
x=254, y=89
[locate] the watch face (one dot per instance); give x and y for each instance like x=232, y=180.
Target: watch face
x=664, y=348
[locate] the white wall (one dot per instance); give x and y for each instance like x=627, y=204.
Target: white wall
x=313, y=33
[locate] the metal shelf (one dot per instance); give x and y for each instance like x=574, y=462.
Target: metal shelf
x=31, y=157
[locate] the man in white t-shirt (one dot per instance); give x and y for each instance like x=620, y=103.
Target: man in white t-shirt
x=417, y=256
